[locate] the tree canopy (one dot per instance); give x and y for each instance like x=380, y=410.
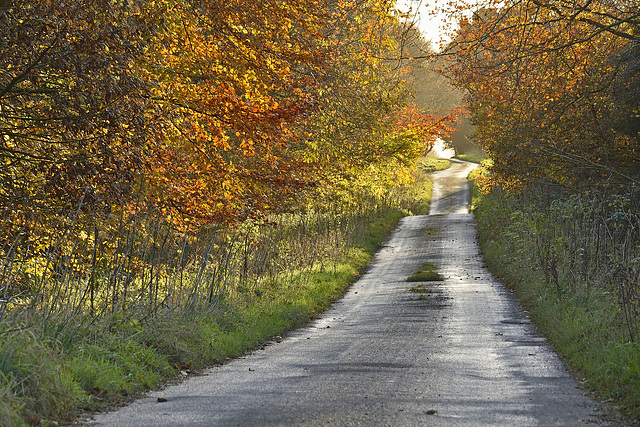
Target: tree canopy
x=203, y=112
x=553, y=88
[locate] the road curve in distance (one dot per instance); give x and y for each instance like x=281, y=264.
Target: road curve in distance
x=451, y=189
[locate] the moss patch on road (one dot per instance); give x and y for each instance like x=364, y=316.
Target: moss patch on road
x=426, y=273
x=420, y=289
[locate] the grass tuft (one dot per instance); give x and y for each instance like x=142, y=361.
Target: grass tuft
x=420, y=289
x=34, y=383
x=432, y=164
x=426, y=273
x=425, y=276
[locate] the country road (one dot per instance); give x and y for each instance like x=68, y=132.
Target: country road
x=460, y=353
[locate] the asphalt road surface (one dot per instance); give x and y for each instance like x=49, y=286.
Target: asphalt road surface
x=460, y=352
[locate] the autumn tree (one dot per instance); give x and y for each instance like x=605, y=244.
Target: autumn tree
x=71, y=115
x=371, y=105
x=232, y=79
x=73, y=132
x=552, y=88
x=211, y=111
x=262, y=100
x=121, y=119
x=433, y=92
x=202, y=112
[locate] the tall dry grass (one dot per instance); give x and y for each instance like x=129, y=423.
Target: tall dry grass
x=142, y=267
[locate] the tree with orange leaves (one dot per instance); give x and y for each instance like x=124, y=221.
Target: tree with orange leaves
x=553, y=89
x=118, y=116
x=206, y=111
x=231, y=80
x=261, y=100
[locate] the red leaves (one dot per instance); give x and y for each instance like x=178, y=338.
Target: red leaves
x=429, y=127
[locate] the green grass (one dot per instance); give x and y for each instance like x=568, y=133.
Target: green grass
x=420, y=289
x=473, y=158
x=425, y=276
x=433, y=164
x=34, y=378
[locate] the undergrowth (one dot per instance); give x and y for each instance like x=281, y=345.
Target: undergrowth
x=92, y=365
x=571, y=261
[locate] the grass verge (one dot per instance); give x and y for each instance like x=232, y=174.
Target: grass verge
x=473, y=158
x=417, y=196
